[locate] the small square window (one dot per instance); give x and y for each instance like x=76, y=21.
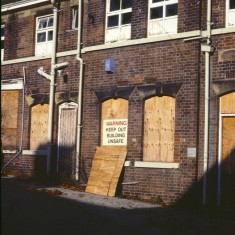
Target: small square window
x=232, y=4
x=171, y=10
x=156, y=12
x=113, y=21
x=114, y=5
x=126, y=18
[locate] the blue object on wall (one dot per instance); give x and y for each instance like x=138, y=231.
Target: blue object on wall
x=109, y=65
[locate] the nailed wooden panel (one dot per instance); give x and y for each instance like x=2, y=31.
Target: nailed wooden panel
x=228, y=143
x=106, y=169
x=113, y=109
x=39, y=126
x=9, y=112
x=9, y=108
x=159, y=129
x=228, y=103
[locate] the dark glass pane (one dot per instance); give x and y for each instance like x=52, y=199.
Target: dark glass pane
x=50, y=22
x=42, y=23
x=157, y=1
x=50, y=36
x=114, y=5
x=156, y=13
x=171, y=10
x=41, y=37
x=126, y=4
x=126, y=18
x=232, y=4
x=2, y=44
x=112, y=21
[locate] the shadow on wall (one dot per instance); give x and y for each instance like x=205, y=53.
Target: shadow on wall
x=62, y=164
x=63, y=170
x=219, y=192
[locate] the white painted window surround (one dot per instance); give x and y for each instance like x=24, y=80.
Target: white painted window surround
x=118, y=20
x=162, y=17
x=2, y=41
x=75, y=17
x=44, y=35
x=230, y=13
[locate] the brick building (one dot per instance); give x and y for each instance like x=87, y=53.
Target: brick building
x=156, y=76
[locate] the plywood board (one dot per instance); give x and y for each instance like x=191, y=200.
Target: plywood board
x=228, y=103
x=39, y=126
x=9, y=112
x=113, y=109
x=159, y=128
x=228, y=143
x=106, y=169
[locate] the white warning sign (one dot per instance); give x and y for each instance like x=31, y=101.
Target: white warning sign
x=115, y=132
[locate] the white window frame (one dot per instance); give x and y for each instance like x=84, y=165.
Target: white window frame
x=75, y=17
x=119, y=32
x=45, y=47
x=230, y=15
x=2, y=42
x=163, y=25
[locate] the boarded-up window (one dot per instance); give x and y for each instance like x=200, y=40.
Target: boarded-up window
x=39, y=126
x=114, y=122
x=228, y=103
x=9, y=112
x=159, y=129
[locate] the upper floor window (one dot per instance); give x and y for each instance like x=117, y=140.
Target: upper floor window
x=162, y=17
x=44, y=35
x=2, y=41
x=230, y=13
x=118, y=20
x=75, y=17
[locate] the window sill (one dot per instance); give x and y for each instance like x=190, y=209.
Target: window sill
x=9, y=151
x=35, y=152
x=163, y=165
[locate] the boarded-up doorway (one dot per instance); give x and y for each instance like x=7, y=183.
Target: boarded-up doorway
x=227, y=154
x=109, y=159
x=66, y=156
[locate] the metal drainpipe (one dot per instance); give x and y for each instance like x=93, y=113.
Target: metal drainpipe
x=80, y=91
x=207, y=100
x=22, y=123
x=52, y=86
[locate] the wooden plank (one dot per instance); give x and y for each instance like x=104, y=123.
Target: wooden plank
x=106, y=169
x=228, y=103
x=117, y=172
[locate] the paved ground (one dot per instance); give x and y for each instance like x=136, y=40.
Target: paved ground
x=30, y=209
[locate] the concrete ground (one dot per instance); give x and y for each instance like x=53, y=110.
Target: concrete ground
x=31, y=209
